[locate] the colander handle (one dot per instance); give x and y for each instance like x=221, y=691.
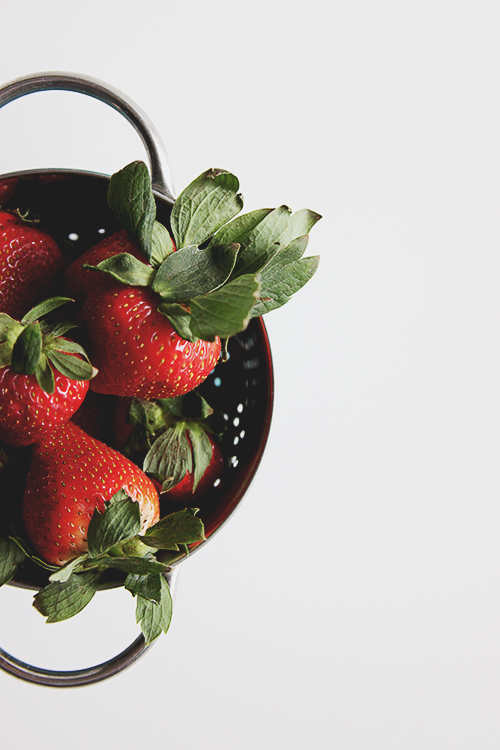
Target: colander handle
x=79, y=677
x=52, y=81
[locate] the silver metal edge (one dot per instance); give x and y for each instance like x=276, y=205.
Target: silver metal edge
x=52, y=81
x=80, y=677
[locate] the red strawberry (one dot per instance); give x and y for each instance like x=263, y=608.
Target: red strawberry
x=8, y=187
x=136, y=350
x=27, y=412
x=72, y=474
x=140, y=353
x=43, y=378
x=173, y=439
x=79, y=281
x=29, y=262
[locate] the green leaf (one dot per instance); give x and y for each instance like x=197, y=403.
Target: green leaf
x=294, y=251
x=43, y=308
x=301, y=223
x=131, y=198
x=10, y=557
x=193, y=271
x=190, y=405
x=9, y=332
x=5, y=353
x=65, y=346
x=204, y=206
x=280, y=288
x=27, y=349
x=180, y=319
x=28, y=552
x=60, y=601
x=125, y=269
x=136, y=565
x=70, y=366
x=44, y=375
x=277, y=230
x=146, y=586
x=183, y=527
x=147, y=414
x=59, y=329
x=117, y=497
x=161, y=245
x=277, y=269
x=155, y=618
x=170, y=456
x=7, y=324
x=238, y=229
x=225, y=311
x=263, y=242
x=121, y=520
x=202, y=451
x=64, y=573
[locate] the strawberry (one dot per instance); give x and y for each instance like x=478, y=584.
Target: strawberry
x=43, y=378
x=174, y=441
x=158, y=335
x=72, y=474
x=8, y=187
x=30, y=260
x=80, y=281
x=27, y=411
x=186, y=491
x=120, y=534
x=136, y=349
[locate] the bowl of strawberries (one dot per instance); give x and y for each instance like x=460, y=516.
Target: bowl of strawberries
x=136, y=382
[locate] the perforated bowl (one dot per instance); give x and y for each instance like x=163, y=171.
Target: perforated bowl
x=73, y=209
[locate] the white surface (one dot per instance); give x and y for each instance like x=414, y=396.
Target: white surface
x=354, y=600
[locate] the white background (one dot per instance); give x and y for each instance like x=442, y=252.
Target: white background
x=353, y=602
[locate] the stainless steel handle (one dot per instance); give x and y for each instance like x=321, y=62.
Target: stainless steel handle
x=52, y=81
x=78, y=677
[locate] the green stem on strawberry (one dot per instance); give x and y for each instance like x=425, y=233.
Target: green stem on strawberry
x=43, y=377
x=114, y=541
x=32, y=347
x=172, y=438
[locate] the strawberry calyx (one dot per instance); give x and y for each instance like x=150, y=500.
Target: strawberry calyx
x=27, y=217
x=226, y=268
x=171, y=437
x=34, y=347
x=115, y=541
x=11, y=556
